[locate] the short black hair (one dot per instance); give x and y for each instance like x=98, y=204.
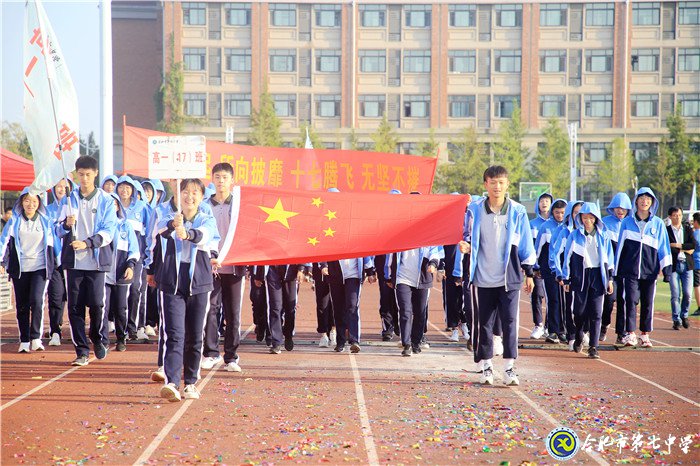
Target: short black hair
x=558, y=205
x=551, y=198
x=86, y=162
x=7, y=209
x=673, y=209
x=222, y=167
x=696, y=217
x=187, y=181
x=495, y=171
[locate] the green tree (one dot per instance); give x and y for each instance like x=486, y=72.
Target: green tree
x=428, y=147
x=385, y=138
x=616, y=172
x=313, y=135
x=170, y=97
x=509, y=151
x=354, y=140
x=551, y=161
x=685, y=152
x=14, y=139
x=464, y=171
x=265, y=124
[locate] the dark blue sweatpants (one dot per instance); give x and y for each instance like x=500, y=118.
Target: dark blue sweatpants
x=489, y=304
x=30, y=292
x=346, y=310
x=639, y=292
x=116, y=305
x=281, y=306
x=538, y=295
x=324, y=309
x=86, y=288
x=554, y=313
x=588, y=306
x=413, y=304
x=57, y=298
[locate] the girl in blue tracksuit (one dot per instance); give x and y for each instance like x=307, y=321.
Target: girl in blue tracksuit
x=155, y=193
x=587, y=271
x=542, y=206
x=109, y=184
x=643, y=251
x=184, y=278
x=29, y=250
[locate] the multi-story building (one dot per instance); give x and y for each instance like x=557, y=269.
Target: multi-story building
x=613, y=68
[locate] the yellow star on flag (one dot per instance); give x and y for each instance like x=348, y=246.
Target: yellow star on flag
x=316, y=201
x=278, y=214
x=330, y=214
x=329, y=232
x=313, y=241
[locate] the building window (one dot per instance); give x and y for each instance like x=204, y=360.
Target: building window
x=417, y=106
x=552, y=61
x=408, y=148
x=594, y=151
x=552, y=106
x=689, y=13
x=327, y=106
x=194, y=59
x=195, y=104
x=373, y=61
x=646, y=13
x=283, y=14
x=416, y=61
x=327, y=16
x=283, y=60
x=462, y=61
x=507, y=61
x=285, y=104
x=509, y=15
x=237, y=14
x=237, y=105
x=328, y=61
x=599, y=60
x=690, y=104
x=462, y=106
x=645, y=59
x=504, y=105
x=373, y=16
x=553, y=14
x=598, y=105
x=463, y=16
x=418, y=16
x=194, y=13
x=644, y=105
x=600, y=14
x=372, y=106
x=688, y=59
x=643, y=150
x=238, y=59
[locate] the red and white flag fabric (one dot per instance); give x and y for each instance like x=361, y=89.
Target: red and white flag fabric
x=272, y=226
x=50, y=101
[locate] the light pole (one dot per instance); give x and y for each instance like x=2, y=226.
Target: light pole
x=573, y=128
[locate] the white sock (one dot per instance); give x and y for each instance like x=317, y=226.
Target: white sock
x=487, y=363
x=509, y=363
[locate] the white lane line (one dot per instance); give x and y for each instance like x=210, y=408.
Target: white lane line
x=372, y=457
x=145, y=456
x=43, y=385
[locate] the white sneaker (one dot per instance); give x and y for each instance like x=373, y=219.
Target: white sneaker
x=112, y=328
x=571, y=345
x=497, y=345
x=55, y=340
x=141, y=334
x=209, y=362
x=233, y=367
x=646, y=342
x=537, y=332
x=630, y=339
x=454, y=336
x=37, y=345
x=150, y=331
x=586, y=339
x=510, y=378
x=170, y=393
x=465, y=331
x=487, y=376
x=158, y=375
x=24, y=347
x=333, y=338
x=191, y=392
x=324, y=342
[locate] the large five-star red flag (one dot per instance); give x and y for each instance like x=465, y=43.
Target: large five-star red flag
x=271, y=227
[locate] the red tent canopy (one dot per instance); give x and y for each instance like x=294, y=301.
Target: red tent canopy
x=16, y=172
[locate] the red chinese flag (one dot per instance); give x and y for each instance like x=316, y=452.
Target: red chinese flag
x=292, y=227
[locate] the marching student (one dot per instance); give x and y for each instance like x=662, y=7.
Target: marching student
x=126, y=254
x=258, y=301
x=618, y=209
x=388, y=308
x=29, y=251
x=501, y=250
x=542, y=206
x=587, y=271
x=87, y=224
x=642, y=252
x=109, y=184
x=325, y=323
x=682, y=244
x=696, y=261
x=155, y=194
x=184, y=278
x=229, y=281
x=459, y=318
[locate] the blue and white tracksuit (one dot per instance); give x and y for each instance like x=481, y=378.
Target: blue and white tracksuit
x=152, y=312
x=612, y=231
x=538, y=292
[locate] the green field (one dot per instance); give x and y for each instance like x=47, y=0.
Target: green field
x=662, y=302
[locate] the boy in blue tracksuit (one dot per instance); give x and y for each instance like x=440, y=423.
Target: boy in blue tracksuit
x=618, y=209
x=642, y=252
x=87, y=224
x=126, y=254
x=543, y=243
x=587, y=271
x=542, y=206
x=501, y=250
x=29, y=250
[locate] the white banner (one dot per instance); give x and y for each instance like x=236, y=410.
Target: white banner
x=44, y=64
x=177, y=157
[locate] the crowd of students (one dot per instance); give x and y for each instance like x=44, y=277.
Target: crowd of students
x=143, y=265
